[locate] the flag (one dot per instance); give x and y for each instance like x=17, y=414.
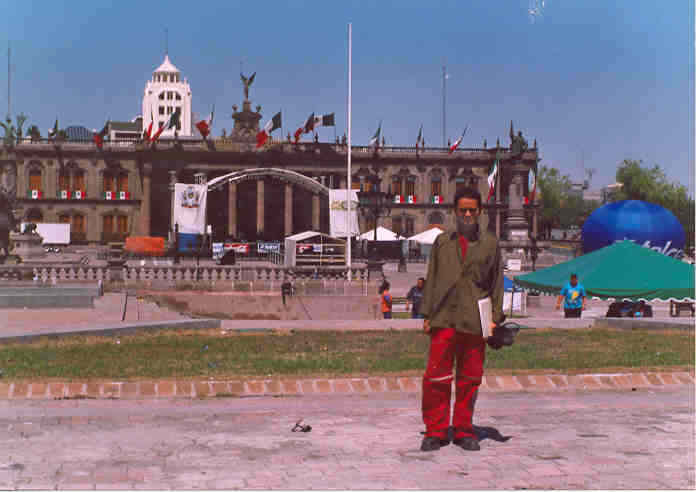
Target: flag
x=174, y=120
x=531, y=187
x=459, y=140
x=411, y=199
x=53, y=132
x=205, y=126
x=309, y=125
x=78, y=195
x=35, y=194
x=63, y=194
x=148, y=132
x=272, y=124
x=420, y=135
x=492, y=173
x=108, y=195
x=324, y=120
x=398, y=199
x=437, y=199
x=99, y=137
x=375, y=138
x=123, y=195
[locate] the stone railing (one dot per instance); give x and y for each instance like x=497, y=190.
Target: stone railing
x=175, y=275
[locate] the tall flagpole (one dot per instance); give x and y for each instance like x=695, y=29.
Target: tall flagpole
x=349, y=180
x=444, y=99
x=8, y=79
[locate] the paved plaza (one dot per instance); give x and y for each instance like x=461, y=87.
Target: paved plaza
x=640, y=439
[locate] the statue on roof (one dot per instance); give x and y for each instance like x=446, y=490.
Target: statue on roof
x=247, y=83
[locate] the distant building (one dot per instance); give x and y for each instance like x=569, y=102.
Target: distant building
x=125, y=130
x=78, y=134
x=164, y=94
x=609, y=192
x=592, y=195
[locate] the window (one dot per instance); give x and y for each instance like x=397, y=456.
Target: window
x=178, y=97
x=409, y=227
x=122, y=224
x=177, y=79
x=436, y=186
x=169, y=110
x=161, y=124
x=79, y=181
x=170, y=95
x=396, y=185
x=461, y=184
x=410, y=186
x=161, y=110
x=109, y=184
x=397, y=225
x=436, y=218
x=63, y=181
x=161, y=96
x=356, y=183
x=78, y=225
x=123, y=182
x=64, y=219
x=35, y=180
x=108, y=224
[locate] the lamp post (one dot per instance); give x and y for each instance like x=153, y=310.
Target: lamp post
x=374, y=204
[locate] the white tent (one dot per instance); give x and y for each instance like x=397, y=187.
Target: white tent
x=383, y=234
x=427, y=237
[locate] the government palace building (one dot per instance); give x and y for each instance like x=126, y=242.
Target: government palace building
x=126, y=187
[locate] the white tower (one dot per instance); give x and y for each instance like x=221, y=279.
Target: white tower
x=163, y=95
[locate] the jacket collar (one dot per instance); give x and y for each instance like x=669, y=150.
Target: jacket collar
x=454, y=235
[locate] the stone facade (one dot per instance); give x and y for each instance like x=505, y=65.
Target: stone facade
x=269, y=208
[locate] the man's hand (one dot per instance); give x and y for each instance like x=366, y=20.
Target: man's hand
x=558, y=307
x=492, y=328
x=426, y=326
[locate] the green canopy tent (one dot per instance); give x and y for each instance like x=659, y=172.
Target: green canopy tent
x=620, y=271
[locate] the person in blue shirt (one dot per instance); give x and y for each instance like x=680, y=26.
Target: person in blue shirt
x=573, y=297
x=415, y=297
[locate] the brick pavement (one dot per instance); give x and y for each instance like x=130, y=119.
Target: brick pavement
x=610, y=439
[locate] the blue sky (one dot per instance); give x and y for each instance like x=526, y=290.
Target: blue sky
x=593, y=81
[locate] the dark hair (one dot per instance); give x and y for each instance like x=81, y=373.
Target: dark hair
x=421, y=278
x=385, y=286
x=467, y=193
x=573, y=275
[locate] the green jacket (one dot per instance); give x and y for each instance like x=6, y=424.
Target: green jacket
x=454, y=285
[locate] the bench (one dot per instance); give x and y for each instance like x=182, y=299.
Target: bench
x=676, y=307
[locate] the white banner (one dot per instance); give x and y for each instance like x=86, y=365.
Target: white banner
x=189, y=207
x=338, y=213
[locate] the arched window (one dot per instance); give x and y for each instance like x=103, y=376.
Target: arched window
x=34, y=215
x=436, y=218
x=78, y=229
x=35, y=179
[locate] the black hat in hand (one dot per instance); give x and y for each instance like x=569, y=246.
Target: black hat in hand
x=503, y=335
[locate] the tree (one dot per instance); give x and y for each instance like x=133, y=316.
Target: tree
x=650, y=184
x=34, y=133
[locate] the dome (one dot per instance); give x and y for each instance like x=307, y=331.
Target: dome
x=646, y=224
x=167, y=66
x=78, y=133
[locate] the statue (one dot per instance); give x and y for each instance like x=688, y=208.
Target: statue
x=247, y=83
x=519, y=144
x=10, y=132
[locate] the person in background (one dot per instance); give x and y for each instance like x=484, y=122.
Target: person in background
x=386, y=300
x=414, y=298
x=573, y=297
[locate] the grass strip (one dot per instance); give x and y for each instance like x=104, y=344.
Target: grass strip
x=181, y=354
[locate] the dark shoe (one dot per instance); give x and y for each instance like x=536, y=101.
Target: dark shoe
x=433, y=443
x=468, y=443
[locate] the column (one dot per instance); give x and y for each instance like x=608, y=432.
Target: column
x=288, y=209
x=144, y=226
x=259, y=207
x=534, y=221
x=172, y=182
x=343, y=181
x=232, y=210
x=315, y=213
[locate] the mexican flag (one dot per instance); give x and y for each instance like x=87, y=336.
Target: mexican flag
x=99, y=137
x=78, y=195
x=398, y=199
x=35, y=194
x=174, y=121
x=306, y=128
x=437, y=199
x=123, y=195
x=492, y=173
x=63, y=194
x=204, y=126
x=458, y=141
x=268, y=128
x=324, y=120
x=531, y=186
x=375, y=138
x=411, y=199
x=148, y=132
x=108, y=195
x=420, y=136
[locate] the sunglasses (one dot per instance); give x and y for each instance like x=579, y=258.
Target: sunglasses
x=472, y=211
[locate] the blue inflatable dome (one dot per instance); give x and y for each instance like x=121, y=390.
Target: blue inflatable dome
x=647, y=224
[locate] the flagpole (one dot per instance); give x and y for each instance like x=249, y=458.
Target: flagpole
x=349, y=180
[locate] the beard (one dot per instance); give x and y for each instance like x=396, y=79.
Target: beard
x=467, y=227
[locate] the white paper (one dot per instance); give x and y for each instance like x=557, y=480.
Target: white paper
x=486, y=313
x=338, y=213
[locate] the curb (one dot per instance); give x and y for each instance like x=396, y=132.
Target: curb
x=317, y=386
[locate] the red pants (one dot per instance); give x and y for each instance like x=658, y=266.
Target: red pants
x=470, y=352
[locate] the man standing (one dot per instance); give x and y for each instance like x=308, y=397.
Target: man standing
x=574, y=295
x=415, y=297
x=464, y=267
